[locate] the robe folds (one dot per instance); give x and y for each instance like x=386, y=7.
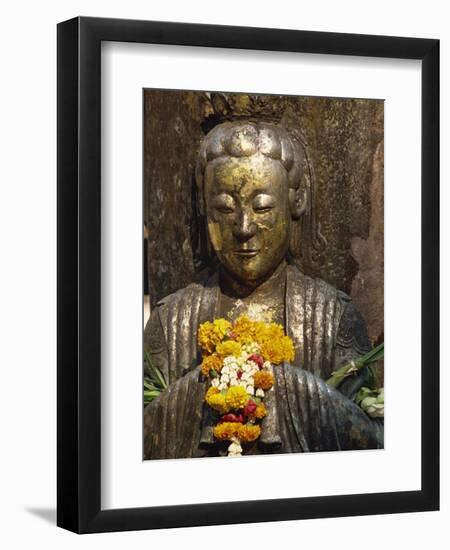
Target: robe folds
x=304, y=413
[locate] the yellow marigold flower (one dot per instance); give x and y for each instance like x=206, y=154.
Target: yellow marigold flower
x=209, y=363
x=244, y=330
x=226, y=430
x=275, y=331
x=217, y=402
x=263, y=379
x=222, y=326
x=209, y=335
x=248, y=432
x=230, y=347
x=277, y=350
x=211, y=391
x=260, y=331
x=236, y=397
x=260, y=411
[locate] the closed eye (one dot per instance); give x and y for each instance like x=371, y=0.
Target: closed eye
x=263, y=203
x=224, y=203
x=263, y=209
x=225, y=209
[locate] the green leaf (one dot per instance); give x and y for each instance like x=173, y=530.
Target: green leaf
x=371, y=378
x=149, y=385
x=154, y=393
x=157, y=377
x=372, y=356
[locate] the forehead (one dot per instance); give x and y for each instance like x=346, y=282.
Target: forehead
x=244, y=173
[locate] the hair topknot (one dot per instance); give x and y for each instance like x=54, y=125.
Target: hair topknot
x=244, y=139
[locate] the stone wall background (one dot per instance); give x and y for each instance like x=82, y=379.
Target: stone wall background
x=345, y=142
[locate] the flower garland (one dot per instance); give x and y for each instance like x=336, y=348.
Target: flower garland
x=238, y=359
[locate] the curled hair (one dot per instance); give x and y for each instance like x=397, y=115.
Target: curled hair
x=246, y=138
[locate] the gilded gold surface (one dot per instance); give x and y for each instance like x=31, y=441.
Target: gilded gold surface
x=247, y=206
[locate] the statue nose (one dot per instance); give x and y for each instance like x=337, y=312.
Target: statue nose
x=244, y=227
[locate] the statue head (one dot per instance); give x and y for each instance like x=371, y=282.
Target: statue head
x=249, y=179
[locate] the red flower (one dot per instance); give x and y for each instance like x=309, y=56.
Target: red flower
x=250, y=408
x=231, y=417
x=239, y=374
x=256, y=358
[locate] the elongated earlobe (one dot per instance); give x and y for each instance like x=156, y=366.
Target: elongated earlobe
x=298, y=202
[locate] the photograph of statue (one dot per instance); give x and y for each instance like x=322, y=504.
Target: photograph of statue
x=263, y=274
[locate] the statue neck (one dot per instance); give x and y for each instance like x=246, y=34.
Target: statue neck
x=270, y=286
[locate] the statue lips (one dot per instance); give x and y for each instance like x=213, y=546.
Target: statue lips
x=247, y=252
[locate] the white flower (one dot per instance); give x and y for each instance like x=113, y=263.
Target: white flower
x=215, y=382
x=259, y=392
x=224, y=378
x=222, y=386
x=252, y=348
x=225, y=369
x=250, y=390
x=235, y=447
x=267, y=364
x=376, y=410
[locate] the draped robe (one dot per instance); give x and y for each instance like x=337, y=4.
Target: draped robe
x=304, y=413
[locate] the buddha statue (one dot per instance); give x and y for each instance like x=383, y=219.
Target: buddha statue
x=253, y=194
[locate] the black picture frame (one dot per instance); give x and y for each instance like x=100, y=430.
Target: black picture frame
x=79, y=281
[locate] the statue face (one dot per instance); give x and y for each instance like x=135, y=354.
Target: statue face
x=248, y=215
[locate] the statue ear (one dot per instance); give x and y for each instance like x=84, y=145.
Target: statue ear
x=298, y=201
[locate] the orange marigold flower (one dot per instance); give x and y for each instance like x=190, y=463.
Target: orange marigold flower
x=263, y=379
x=260, y=411
x=209, y=363
x=226, y=430
x=278, y=350
x=267, y=332
x=248, y=432
x=211, y=334
x=244, y=330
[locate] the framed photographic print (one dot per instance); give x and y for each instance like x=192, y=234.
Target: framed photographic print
x=245, y=217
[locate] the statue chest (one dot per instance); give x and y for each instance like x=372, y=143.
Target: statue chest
x=270, y=309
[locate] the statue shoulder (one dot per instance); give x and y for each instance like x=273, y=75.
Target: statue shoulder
x=315, y=286
x=170, y=303
x=352, y=332
x=351, y=327
x=191, y=290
